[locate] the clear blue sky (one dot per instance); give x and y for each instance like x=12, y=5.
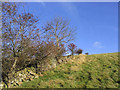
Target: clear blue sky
x=96, y=23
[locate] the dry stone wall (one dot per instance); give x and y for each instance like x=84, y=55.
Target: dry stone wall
x=24, y=75
x=28, y=74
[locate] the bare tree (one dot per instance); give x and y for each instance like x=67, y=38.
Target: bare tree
x=22, y=43
x=72, y=47
x=59, y=31
x=19, y=33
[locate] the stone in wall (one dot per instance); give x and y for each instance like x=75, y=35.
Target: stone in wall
x=24, y=75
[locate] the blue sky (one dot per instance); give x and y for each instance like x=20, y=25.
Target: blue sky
x=96, y=22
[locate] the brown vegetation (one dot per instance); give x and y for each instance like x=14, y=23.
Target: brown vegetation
x=25, y=45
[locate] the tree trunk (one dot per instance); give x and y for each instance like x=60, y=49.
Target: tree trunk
x=16, y=58
x=12, y=72
x=72, y=52
x=36, y=67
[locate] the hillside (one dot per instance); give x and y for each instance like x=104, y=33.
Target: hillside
x=97, y=71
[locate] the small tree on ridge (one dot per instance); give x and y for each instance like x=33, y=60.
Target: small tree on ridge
x=72, y=47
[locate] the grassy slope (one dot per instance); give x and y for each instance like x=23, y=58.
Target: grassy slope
x=99, y=71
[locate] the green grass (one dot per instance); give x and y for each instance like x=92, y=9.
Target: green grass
x=99, y=71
